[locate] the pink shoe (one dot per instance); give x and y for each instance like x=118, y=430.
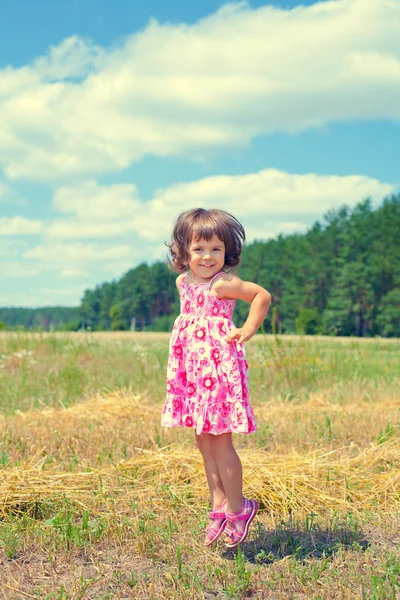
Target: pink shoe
x=216, y=528
x=241, y=522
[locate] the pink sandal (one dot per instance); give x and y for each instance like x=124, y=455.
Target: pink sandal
x=216, y=528
x=246, y=514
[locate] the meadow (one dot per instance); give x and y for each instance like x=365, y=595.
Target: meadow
x=97, y=501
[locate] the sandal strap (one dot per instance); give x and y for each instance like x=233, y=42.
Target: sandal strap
x=233, y=534
x=216, y=514
x=243, y=514
x=213, y=527
x=233, y=517
x=230, y=531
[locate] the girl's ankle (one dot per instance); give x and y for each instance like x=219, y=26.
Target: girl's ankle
x=234, y=508
x=219, y=504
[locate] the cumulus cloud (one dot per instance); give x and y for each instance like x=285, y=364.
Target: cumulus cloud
x=85, y=243
x=185, y=89
x=268, y=203
x=73, y=273
x=72, y=58
x=269, y=195
x=20, y=226
x=89, y=200
x=18, y=268
x=78, y=253
x=11, y=247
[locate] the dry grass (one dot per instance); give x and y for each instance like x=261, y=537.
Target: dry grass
x=163, y=336
x=291, y=483
x=97, y=501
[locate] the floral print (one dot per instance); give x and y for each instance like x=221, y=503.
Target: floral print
x=207, y=378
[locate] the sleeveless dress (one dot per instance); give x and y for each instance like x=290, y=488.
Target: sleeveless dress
x=207, y=378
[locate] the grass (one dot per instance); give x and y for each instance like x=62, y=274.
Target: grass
x=98, y=501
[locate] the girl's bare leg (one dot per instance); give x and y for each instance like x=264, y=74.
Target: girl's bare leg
x=217, y=492
x=229, y=469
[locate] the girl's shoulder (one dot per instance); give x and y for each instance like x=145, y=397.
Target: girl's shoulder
x=179, y=280
x=220, y=282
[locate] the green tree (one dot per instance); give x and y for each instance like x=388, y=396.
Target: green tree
x=388, y=318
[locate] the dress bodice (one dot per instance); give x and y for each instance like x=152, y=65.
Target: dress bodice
x=197, y=300
x=207, y=377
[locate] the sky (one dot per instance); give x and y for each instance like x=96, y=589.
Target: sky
x=116, y=116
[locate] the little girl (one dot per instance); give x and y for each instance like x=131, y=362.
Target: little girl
x=207, y=380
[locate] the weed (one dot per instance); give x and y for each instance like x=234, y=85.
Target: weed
x=10, y=539
x=88, y=474
x=240, y=586
x=75, y=532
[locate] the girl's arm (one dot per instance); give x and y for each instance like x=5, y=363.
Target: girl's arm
x=234, y=287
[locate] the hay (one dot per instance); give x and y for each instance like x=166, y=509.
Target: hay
x=113, y=405
x=27, y=484
x=283, y=484
x=290, y=483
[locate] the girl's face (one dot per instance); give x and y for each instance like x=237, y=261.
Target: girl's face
x=206, y=258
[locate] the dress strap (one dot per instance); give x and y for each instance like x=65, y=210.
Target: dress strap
x=183, y=280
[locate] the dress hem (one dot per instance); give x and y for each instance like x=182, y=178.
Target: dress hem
x=211, y=432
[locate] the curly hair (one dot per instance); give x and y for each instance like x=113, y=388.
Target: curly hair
x=199, y=224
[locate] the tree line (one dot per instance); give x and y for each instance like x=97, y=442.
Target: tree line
x=341, y=277
x=44, y=318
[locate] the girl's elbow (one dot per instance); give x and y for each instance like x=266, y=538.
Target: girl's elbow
x=267, y=302
x=267, y=297
x=263, y=298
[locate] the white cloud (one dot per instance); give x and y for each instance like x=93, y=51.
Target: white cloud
x=11, y=248
x=73, y=58
x=268, y=203
x=77, y=253
x=185, y=89
x=20, y=226
x=73, y=273
x=82, y=248
x=92, y=201
x=16, y=269
x=74, y=228
x=265, y=201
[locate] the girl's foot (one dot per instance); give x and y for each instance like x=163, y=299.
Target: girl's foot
x=217, y=524
x=239, y=523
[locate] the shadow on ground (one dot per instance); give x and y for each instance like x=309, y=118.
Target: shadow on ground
x=283, y=541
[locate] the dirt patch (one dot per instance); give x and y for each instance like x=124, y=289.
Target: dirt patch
x=83, y=574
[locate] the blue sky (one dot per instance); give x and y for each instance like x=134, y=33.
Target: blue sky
x=114, y=117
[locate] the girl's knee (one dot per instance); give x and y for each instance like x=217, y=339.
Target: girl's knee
x=221, y=443
x=203, y=443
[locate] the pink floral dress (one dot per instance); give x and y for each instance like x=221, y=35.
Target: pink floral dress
x=207, y=379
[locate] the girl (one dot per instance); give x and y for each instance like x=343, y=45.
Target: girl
x=207, y=381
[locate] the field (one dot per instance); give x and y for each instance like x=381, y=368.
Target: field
x=99, y=502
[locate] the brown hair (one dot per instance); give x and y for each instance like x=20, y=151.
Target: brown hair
x=199, y=224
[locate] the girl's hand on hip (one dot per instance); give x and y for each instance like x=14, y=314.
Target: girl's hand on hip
x=239, y=335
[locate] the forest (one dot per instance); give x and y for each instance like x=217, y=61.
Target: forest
x=341, y=278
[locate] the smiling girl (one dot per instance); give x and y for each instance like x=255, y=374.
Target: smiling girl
x=207, y=374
